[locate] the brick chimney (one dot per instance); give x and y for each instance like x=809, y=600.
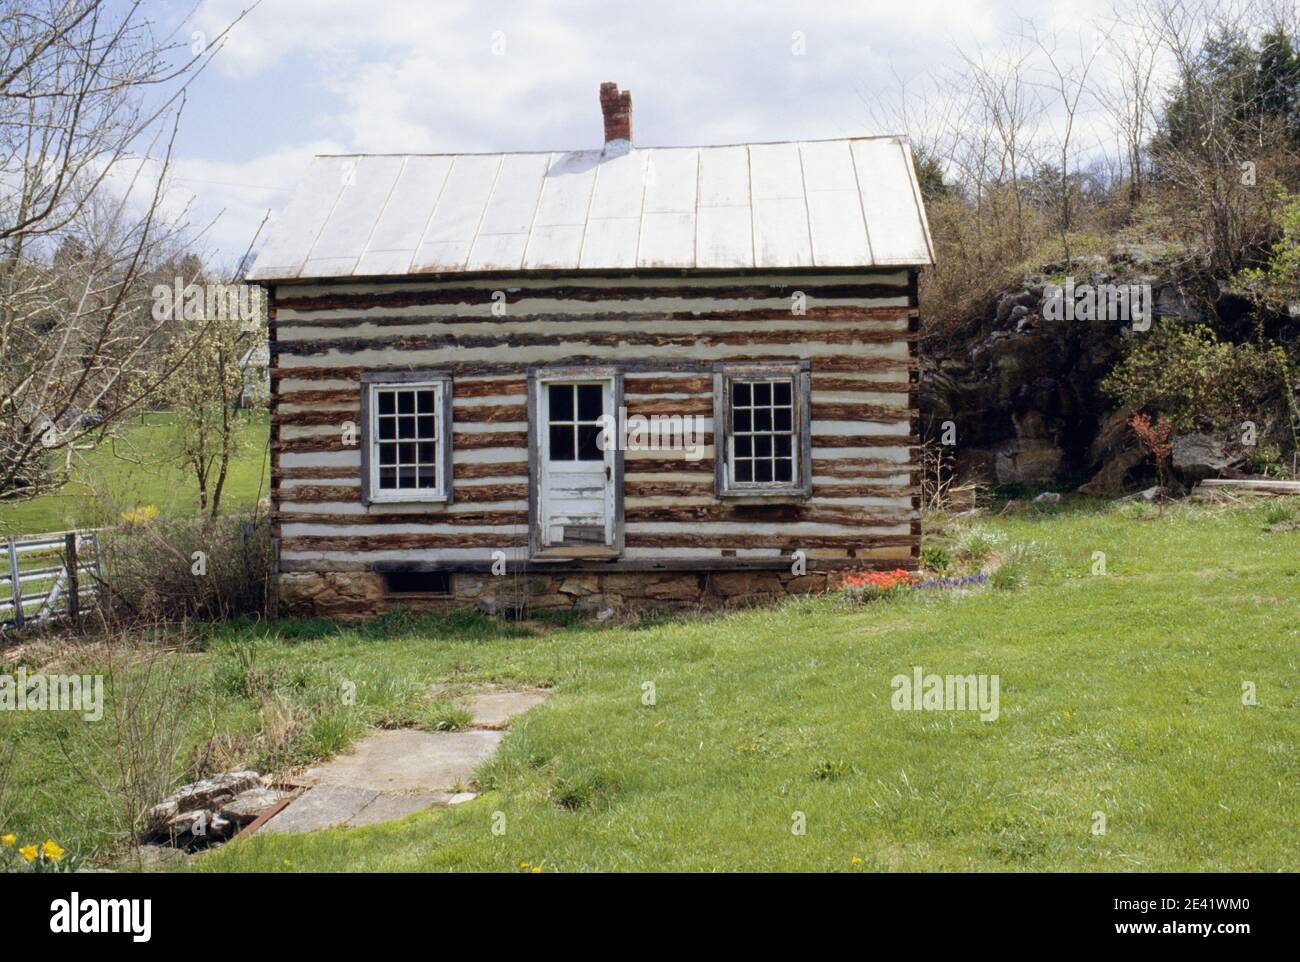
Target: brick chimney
x=616, y=105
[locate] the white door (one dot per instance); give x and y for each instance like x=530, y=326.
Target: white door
x=575, y=497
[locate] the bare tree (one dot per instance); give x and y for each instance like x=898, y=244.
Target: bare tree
x=1133, y=55
x=1068, y=83
x=90, y=97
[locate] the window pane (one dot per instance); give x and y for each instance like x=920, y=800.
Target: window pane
x=762, y=419
x=386, y=402
x=740, y=394
x=387, y=429
x=406, y=453
x=590, y=401
x=388, y=454
x=781, y=392
x=425, y=427
x=744, y=446
x=425, y=402
x=561, y=402
x=781, y=419
x=743, y=420
x=762, y=471
x=782, y=445
x=588, y=449
x=762, y=393
x=784, y=470
x=562, y=442
x=428, y=454
x=387, y=478
x=406, y=402
x=406, y=427
x=428, y=478
x=744, y=470
x=762, y=445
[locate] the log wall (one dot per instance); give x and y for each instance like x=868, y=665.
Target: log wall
x=665, y=333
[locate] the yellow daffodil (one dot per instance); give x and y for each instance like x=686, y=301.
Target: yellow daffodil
x=8, y=840
x=28, y=852
x=52, y=850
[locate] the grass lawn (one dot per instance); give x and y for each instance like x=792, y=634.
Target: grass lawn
x=1120, y=694
x=139, y=469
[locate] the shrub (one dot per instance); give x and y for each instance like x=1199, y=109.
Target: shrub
x=177, y=568
x=936, y=557
x=1195, y=380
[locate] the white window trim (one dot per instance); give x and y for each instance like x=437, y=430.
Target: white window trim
x=441, y=493
x=800, y=486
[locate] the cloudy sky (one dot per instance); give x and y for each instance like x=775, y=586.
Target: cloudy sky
x=300, y=77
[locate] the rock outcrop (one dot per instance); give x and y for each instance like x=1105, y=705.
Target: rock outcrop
x=1022, y=386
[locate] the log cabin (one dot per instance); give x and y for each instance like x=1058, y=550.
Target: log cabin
x=594, y=378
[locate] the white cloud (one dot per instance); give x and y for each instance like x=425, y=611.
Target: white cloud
x=409, y=75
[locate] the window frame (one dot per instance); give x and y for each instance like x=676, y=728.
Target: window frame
x=371, y=383
x=799, y=374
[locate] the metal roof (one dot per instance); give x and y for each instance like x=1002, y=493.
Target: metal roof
x=828, y=203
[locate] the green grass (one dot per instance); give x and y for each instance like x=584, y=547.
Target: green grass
x=139, y=468
x=1119, y=693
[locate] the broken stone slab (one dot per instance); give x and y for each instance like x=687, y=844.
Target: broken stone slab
x=461, y=797
x=205, y=794
x=247, y=806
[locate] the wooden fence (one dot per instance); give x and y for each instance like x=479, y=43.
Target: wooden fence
x=48, y=576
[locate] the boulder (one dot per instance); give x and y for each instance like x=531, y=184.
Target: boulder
x=1200, y=455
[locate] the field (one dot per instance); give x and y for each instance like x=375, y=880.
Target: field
x=1149, y=719
x=135, y=470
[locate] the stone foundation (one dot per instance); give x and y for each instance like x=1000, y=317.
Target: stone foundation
x=360, y=594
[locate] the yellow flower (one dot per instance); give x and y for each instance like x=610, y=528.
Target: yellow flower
x=856, y=860
x=8, y=840
x=140, y=515
x=523, y=865
x=537, y=869
x=28, y=852
x=52, y=850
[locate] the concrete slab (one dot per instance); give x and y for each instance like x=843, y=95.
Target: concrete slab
x=389, y=808
x=494, y=709
x=392, y=774
x=324, y=806
x=405, y=760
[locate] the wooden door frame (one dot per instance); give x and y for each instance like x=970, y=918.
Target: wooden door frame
x=537, y=376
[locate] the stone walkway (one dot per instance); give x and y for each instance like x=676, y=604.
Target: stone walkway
x=392, y=774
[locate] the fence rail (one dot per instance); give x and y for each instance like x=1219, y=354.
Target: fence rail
x=44, y=577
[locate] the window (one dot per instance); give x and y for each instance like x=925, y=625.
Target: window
x=406, y=450
x=761, y=425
